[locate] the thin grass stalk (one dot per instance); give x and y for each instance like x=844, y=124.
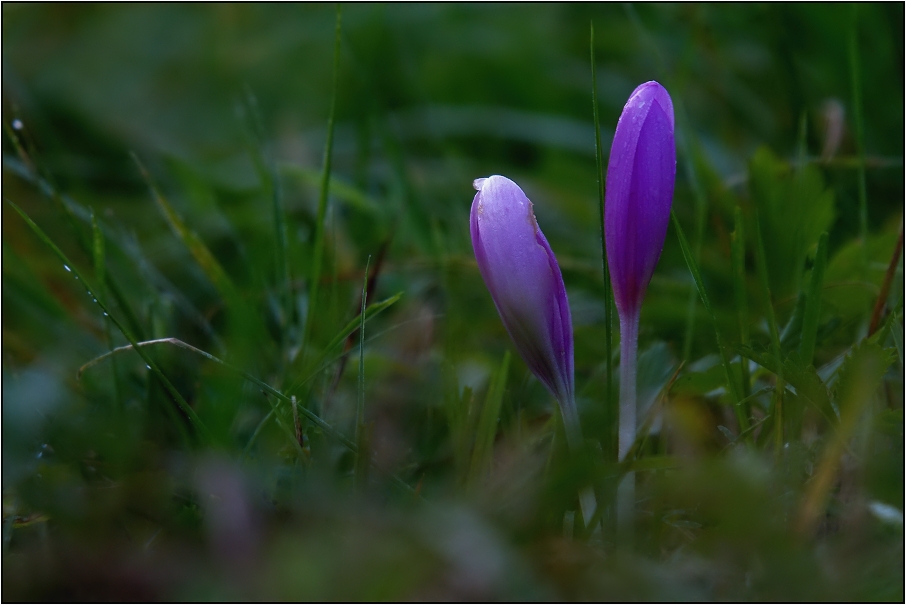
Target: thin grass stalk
x=266, y=166
x=360, y=407
x=777, y=404
x=323, y=196
x=206, y=260
x=611, y=430
x=738, y=260
x=100, y=275
x=488, y=419
x=813, y=303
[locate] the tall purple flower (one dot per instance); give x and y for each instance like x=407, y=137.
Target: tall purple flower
x=524, y=279
x=640, y=178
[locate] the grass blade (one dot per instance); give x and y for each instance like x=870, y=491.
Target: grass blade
x=100, y=275
x=266, y=167
x=360, y=410
x=762, y=269
x=362, y=460
x=371, y=284
x=320, y=222
x=738, y=260
x=97, y=254
x=248, y=446
x=183, y=405
x=813, y=303
x=611, y=423
x=486, y=430
x=200, y=252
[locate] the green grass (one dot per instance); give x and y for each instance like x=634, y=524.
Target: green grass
x=258, y=195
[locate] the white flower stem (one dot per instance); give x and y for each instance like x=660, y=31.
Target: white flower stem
x=629, y=344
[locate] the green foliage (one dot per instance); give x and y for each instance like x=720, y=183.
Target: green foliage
x=794, y=209
x=485, y=430
x=281, y=376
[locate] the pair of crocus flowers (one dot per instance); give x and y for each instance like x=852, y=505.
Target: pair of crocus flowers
x=522, y=274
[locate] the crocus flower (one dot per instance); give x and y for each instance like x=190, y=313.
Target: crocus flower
x=524, y=279
x=522, y=274
x=640, y=177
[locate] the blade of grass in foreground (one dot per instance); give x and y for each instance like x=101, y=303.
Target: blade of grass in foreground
x=762, y=267
x=200, y=252
x=611, y=423
x=100, y=274
x=320, y=222
x=738, y=260
x=363, y=457
x=699, y=284
x=487, y=422
x=813, y=303
x=149, y=363
x=266, y=167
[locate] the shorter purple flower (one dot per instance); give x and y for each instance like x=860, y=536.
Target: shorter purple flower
x=521, y=273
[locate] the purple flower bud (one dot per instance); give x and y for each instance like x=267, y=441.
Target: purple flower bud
x=521, y=273
x=640, y=177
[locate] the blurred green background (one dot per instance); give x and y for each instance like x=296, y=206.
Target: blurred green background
x=791, y=113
